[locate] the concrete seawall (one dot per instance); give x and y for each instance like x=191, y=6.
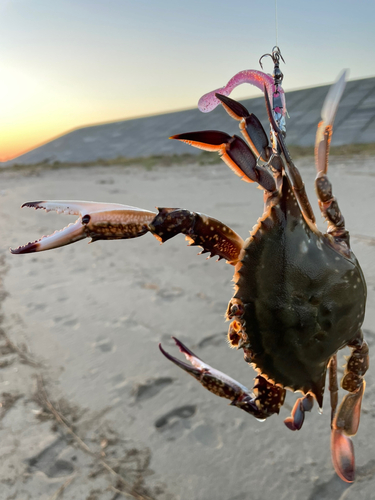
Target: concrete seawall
x=354, y=124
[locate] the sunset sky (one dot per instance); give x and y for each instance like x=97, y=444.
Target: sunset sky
x=69, y=63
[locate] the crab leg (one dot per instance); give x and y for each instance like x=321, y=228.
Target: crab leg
x=324, y=132
x=327, y=202
x=100, y=221
x=251, y=128
x=302, y=405
x=252, y=131
x=212, y=235
x=333, y=387
x=267, y=399
x=346, y=420
x=291, y=170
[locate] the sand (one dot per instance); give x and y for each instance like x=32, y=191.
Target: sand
x=81, y=326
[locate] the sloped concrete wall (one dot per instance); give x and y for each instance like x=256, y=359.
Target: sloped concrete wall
x=354, y=124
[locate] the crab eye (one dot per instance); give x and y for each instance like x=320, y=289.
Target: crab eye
x=86, y=219
x=235, y=308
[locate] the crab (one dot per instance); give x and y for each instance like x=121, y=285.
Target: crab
x=299, y=294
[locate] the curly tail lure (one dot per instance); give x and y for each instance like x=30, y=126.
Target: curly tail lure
x=275, y=92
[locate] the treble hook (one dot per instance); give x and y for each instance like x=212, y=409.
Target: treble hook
x=275, y=56
x=277, y=73
x=277, y=102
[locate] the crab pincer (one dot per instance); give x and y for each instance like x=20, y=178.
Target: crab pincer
x=234, y=152
x=215, y=381
x=110, y=221
x=96, y=221
x=263, y=402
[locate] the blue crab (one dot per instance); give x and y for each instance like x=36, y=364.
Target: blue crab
x=299, y=295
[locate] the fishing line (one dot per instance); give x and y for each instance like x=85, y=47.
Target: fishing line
x=277, y=41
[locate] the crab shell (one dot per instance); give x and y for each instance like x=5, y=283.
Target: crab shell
x=303, y=299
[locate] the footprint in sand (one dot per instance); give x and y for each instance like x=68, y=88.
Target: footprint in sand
x=212, y=340
x=105, y=345
x=151, y=388
x=207, y=435
x=47, y=461
x=171, y=293
x=67, y=321
x=105, y=181
x=120, y=387
x=36, y=307
x=73, y=322
x=174, y=423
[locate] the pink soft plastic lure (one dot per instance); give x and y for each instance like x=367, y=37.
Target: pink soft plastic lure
x=209, y=101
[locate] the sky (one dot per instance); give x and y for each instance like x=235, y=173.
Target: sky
x=69, y=63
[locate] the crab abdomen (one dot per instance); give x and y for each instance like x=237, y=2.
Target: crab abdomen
x=302, y=299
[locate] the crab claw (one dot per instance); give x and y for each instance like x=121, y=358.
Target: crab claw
x=268, y=400
x=250, y=126
x=215, y=381
x=96, y=221
x=234, y=152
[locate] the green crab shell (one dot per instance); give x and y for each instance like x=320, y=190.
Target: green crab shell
x=303, y=300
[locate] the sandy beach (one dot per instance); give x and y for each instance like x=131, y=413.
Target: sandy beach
x=79, y=335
